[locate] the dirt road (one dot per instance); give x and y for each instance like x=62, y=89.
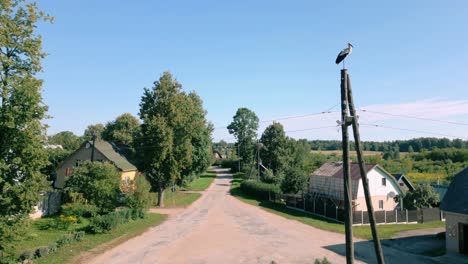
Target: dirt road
x=218, y=228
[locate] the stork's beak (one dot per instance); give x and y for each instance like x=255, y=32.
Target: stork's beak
x=351, y=45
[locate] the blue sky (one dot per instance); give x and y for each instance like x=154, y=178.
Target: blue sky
x=274, y=57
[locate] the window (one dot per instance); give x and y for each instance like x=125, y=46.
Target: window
x=77, y=163
x=127, y=180
x=384, y=182
x=381, y=204
x=401, y=184
x=67, y=172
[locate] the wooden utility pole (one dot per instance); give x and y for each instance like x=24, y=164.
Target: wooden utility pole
x=365, y=183
x=346, y=175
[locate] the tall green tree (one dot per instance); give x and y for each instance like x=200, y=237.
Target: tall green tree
x=122, y=129
x=275, y=156
x=244, y=128
x=93, y=130
x=164, y=143
x=423, y=196
x=22, y=135
x=66, y=139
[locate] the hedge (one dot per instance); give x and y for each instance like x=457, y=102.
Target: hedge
x=259, y=190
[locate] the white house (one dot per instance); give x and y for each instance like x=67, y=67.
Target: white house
x=327, y=181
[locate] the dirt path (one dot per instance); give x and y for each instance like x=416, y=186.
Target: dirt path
x=218, y=228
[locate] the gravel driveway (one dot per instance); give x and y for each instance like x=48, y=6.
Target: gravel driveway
x=218, y=228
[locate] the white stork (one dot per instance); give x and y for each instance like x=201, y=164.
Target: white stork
x=344, y=53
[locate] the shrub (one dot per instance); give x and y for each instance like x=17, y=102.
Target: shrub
x=52, y=247
x=140, y=199
x=323, y=261
x=42, y=252
x=105, y=223
x=27, y=255
x=96, y=182
x=259, y=190
x=65, y=239
x=78, y=236
x=78, y=209
x=232, y=164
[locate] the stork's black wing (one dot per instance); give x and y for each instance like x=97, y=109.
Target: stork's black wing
x=341, y=57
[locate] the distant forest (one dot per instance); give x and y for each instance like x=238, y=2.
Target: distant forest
x=411, y=145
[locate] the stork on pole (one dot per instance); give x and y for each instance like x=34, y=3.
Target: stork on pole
x=347, y=106
x=343, y=54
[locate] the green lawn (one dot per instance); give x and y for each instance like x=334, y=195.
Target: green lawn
x=202, y=182
x=385, y=231
x=178, y=199
x=92, y=242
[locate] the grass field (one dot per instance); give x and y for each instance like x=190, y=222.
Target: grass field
x=36, y=237
x=385, y=231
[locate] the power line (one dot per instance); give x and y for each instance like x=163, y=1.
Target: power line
x=415, y=117
x=410, y=130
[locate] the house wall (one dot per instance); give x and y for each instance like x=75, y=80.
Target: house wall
x=129, y=174
x=388, y=203
x=378, y=191
x=452, y=233
x=82, y=154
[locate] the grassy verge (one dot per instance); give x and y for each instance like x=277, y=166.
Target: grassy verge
x=101, y=242
x=178, y=199
x=385, y=231
x=202, y=182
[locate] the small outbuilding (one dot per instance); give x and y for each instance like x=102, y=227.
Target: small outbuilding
x=455, y=207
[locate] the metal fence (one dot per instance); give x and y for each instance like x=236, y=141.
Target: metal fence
x=333, y=210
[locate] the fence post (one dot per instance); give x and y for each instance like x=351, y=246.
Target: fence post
x=396, y=216
x=314, y=205
x=385, y=216
x=362, y=217
x=303, y=201
x=406, y=215
x=336, y=212
x=269, y=196
x=325, y=208
x=441, y=217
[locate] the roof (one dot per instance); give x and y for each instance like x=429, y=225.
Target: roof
x=401, y=177
x=113, y=154
x=456, y=200
x=335, y=170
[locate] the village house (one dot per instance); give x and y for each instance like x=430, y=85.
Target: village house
x=455, y=207
x=104, y=152
x=327, y=181
x=403, y=182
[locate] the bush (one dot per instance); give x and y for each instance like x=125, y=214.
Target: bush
x=66, y=239
x=96, y=182
x=259, y=190
x=104, y=223
x=27, y=255
x=42, y=252
x=232, y=164
x=78, y=236
x=323, y=261
x=139, y=199
x=78, y=209
x=52, y=247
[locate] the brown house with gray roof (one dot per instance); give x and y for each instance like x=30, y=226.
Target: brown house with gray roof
x=455, y=207
x=103, y=151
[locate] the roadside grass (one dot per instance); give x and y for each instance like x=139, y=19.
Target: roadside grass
x=178, y=199
x=90, y=244
x=385, y=231
x=202, y=182
x=37, y=234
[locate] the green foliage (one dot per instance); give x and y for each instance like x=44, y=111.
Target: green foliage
x=139, y=199
x=42, y=252
x=93, y=130
x=232, y=164
x=22, y=133
x=27, y=255
x=295, y=180
x=244, y=128
x=322, y=261
x=105, y=223
x=174, y=139
x=79, y=209
x=66, y=139
x=55, y=157
x=424, y=196
x=259, y=190
x=97, y=182
x=122, y=129
x=275, y=154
